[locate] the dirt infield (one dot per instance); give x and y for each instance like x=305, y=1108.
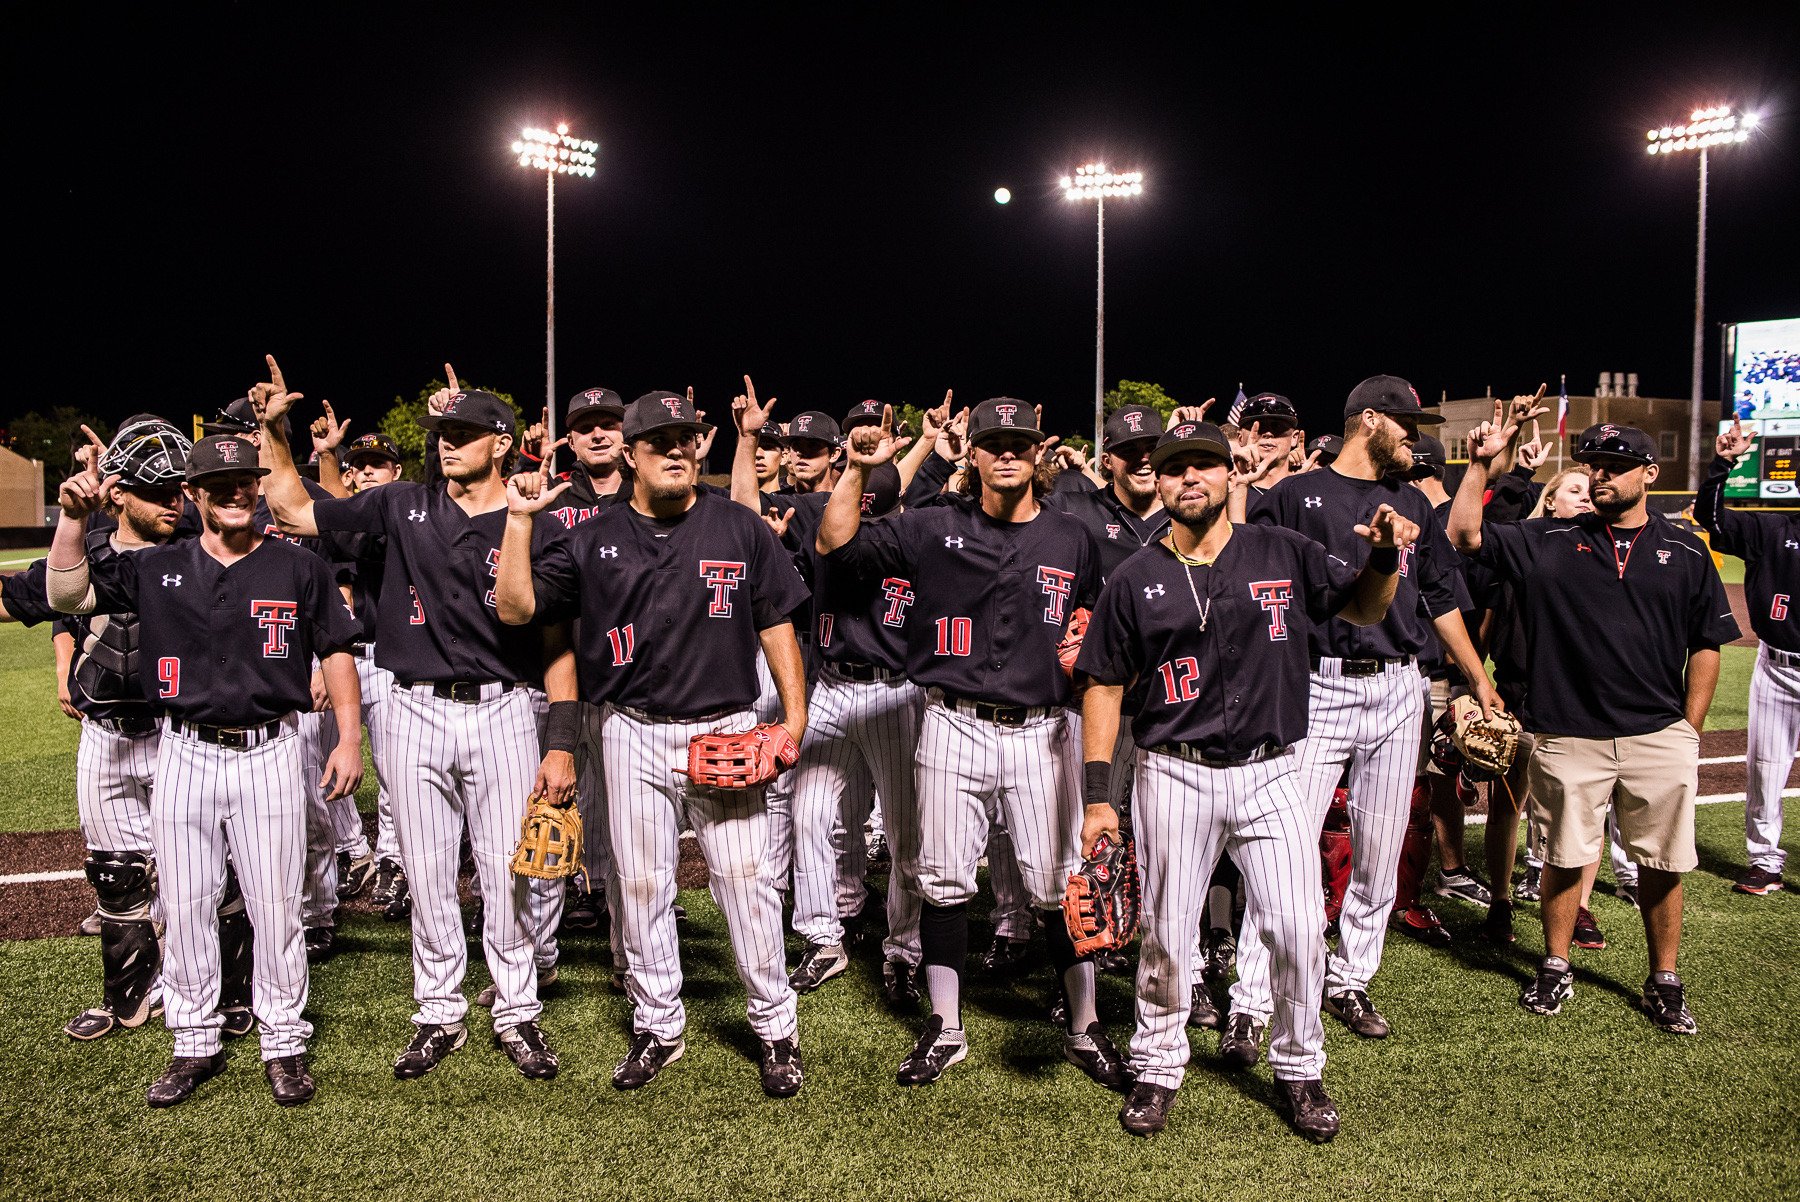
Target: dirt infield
x=42, y=909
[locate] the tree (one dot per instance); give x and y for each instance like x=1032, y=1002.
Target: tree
x=401, y=423
x=52, y=437
x=1137, y=392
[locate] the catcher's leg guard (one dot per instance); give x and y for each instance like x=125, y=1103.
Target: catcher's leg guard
x=130, y=954
x=1334, y=853
x=1415, y=849
x=235, y=943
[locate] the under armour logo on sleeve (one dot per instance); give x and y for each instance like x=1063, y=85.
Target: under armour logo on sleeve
x=172, y=581
x=953, y=540
x=1314, y=502
x=1793, y=545
x=609, y=552
x=1152, y=590
x=415, y=515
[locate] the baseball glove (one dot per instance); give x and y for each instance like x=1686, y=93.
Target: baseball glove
x=741, y=759
x=1487, y=744
x=1070, y=647
x=1100, y=906
x=549, y=841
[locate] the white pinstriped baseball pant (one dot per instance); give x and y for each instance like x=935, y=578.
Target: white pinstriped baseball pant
x=1774, y=732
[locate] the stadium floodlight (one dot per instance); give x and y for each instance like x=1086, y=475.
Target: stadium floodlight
x=1092, y=181
x=553, y=153
x=1714, y=126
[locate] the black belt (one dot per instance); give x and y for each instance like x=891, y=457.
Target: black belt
x=466, y=691
x=856, y=670
x=1363, y=667
x=1193, y=753
x=361, y=649
x=232, y=738
x=135, y=728
x=1790, y=659
x=988, y=711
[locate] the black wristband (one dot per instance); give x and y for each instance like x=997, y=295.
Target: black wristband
x=1385, y=560
x=562, y=730
x=1096, y=783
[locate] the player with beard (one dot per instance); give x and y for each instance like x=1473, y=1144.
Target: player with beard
x=1624, y=616
x=1366, y=707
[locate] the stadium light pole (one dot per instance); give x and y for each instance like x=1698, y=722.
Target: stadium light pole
x=1718, y=125
x=1094, y=182
x=558, y=153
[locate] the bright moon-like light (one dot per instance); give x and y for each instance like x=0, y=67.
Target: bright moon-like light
x=1002, y=195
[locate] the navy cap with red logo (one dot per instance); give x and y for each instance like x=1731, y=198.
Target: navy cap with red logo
x=661, y=411
x=220, y=455
x=864, y=413
x=1327, y=447
x=1190, y=436
x=590, y=402
x=1608, y=441
x=473, y=407
x=1132, y=423
x=1390, y=395
x=881, y=491
x=814, y=426
x=1003, y=415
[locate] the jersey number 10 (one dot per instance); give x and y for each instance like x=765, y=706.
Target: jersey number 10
x=955, y=636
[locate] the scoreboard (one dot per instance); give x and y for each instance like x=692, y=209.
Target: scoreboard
x=1765, y=357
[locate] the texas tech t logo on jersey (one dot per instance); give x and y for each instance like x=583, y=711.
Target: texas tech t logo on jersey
x=1056, y=584
x=722, y=576
x=276, y=618
x=899, y=595
x=1274, y=596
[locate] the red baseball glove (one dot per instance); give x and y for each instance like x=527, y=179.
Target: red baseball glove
x=1100, y=905
x=741, y=759
x=1070, y=647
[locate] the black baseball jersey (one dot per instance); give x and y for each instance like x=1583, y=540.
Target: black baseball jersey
x=1118, y=532
x=359, y=564
x=1216, y=655
x=581, y=502
x=928, y=482
x=856, y=619
x=669, y=609
x=226, y=644
x=1326, y=506
x=436, y=618
x=1769, y=545
x=265, y=518
x=103, y=674
x=993, y=597
x=1610, y=617
x=24, y=595
x=1432, y=660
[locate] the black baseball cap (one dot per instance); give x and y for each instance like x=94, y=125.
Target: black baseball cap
x=1328, y=447
x=661, y=411
x=1131, y=423
x=1190, y=436
x=819, y=427
x=1428, y=458
x=239, y=417
x=473, y=407
x=771, y=432
x=881, y=491
x=590, y=401
x=1608, y=441
x=864, y=413
x=379, y=445
x=220, y=454
x=1003, y=415
x=1390, y=395
x=1265, y=407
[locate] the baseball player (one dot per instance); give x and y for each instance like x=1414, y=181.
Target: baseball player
x=1769, y=545
x=462, y=723
x=1206, y=631
x=231, y=622
x=673, y=593
x=996, y=583
x=1624, y=615
x=1276, y=436
x=1366, y=707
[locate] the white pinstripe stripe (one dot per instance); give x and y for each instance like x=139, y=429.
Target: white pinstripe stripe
x=1772, y=735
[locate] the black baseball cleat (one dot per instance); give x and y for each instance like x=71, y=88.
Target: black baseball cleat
x=1553, y=985
x=1094, y=1054
x=1203, y=1011
x=584, y=912
x=182, y=1077
x=1005, y=955
x=1587, y=933
x=1666, y=1004
x=648, y=1057
x=679, y=911
x=1421, y=923
x=1146, y=1109
x=288, y=1080
x=1221, y=955
x=1113, y=960
x=900, y=983
x=1353, y=1008
x=1241, y=1045
x=431, y=1042
x=387, y=884
x=880, y=859
x=99, y=1021
x=780, y=1066
x=818, y=964
x=525, y=1045
x=1311, y=1109
x=400, y=909
x=936, y=1051
x=354, y=875
x=1497, y=925
x=320, y=944
x=1530, y=888
x=239, y=1021
x=1758, y=881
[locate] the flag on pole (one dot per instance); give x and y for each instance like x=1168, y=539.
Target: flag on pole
x=1562, y=409
x=1237, y=407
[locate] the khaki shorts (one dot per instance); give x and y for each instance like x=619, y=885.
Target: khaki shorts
x=1648, y=780
x=1437, y=700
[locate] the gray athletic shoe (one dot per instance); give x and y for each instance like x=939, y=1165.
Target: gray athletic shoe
x=936, y=1051
x=818, y=964
x=431, y=1042
x=1463, y=885
x=648, y=1057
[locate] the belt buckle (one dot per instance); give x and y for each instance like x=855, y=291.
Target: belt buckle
x=1361, y=667
x=234, y=738
x=1009, y=715
x=465, y=691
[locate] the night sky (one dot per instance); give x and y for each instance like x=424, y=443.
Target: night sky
x=808, y=197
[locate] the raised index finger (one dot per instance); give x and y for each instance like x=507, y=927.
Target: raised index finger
x=275, y=374
x=450, y=378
